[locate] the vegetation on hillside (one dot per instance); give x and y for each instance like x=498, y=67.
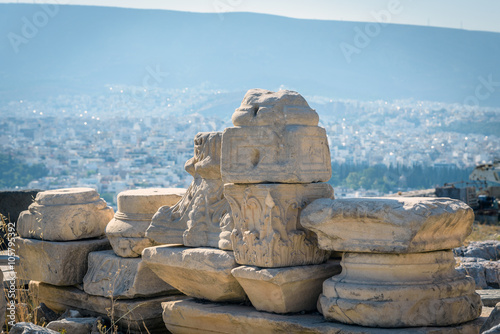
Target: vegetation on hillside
x=14, y=173
x=391, y=179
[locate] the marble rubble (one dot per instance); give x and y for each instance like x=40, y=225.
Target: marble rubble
x=127, y=230
x=402, y=273
x=60, y=228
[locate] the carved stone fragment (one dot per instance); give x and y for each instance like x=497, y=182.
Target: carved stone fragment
x=195, y=219
x=267, y=231
x=127, y=230
x=65, y=215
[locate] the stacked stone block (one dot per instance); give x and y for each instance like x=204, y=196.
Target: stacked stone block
x=398, y=269
x=121, y=273
x=58, y=231
x=274, y=162
x=190, y=259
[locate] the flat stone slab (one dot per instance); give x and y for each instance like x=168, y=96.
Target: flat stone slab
x=388, y=225
x=110, y=275
x=65, y=215
x=198, y=272
x=489, y=297
x=57, y=263
x=193, y=317
x=288, y=289
x=132, y=316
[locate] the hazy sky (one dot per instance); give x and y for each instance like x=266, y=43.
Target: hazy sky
x=466, y=14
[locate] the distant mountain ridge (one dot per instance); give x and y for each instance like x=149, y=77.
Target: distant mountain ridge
x=80, y=49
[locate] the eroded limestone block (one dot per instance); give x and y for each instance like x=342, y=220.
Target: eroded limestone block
x=288, y=289
x=195, y=219
x=127, y=230
x=131, y=316
x=198, y=272
x=291, y=154
x=389, y=225
x=57, y=263
x=267, y=231
x=400, y=290
x=226, y=226
x=193, y=317
x=112, y=276
x=64, y=215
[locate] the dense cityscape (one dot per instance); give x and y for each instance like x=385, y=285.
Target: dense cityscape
x=130, y=137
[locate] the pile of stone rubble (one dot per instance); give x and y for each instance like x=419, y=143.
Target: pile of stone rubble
x=252, y=245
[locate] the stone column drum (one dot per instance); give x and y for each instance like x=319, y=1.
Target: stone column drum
x=127, y=230
x=398, y=269
x=270, y=161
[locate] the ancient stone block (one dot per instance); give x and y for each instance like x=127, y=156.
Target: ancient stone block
x=64, y=215
x=112, y=276
x=195, y=219
x=291, y=154
x=285, y=290
x=131, y=316
x=127, y=230
x=400, y=290
x=198, y=272
x=193, y=317
x=226, y=226
x=57, y=263
x=267, y=231
x=388, y=225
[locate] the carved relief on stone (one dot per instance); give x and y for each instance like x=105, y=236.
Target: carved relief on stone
x=65, y=215
x=195, y=219
x=276, y=140
x=267, y=231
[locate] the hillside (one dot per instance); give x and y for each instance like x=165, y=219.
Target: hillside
x=82, y=49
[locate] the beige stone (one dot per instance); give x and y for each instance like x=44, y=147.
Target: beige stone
x=285, y=290
x=291, y=154
x=65, y=215
x=195, y=219
x=3, y=301
x=131, y=316
x=489, y=297
x=267, y=231
x=198, y=272
x=400, y=290
x=226, y=226
x=112, y=276
x=57, y=263
x=192, y=317
x=388, y=225
x=127, y=230
x=263, y=107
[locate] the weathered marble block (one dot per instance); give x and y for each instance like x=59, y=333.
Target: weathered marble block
x=190, y=316
x=291, y=154
x=57, y=263
x=131, y=316
x=127, y=230
x=285, y=290
x=400, y=290
x=267, y=231
x=198, y=272
x=195, y=219
x=65, y=215
x=388, y=225
x=122, y=278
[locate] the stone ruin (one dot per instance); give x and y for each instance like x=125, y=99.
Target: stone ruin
x=252, y=245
